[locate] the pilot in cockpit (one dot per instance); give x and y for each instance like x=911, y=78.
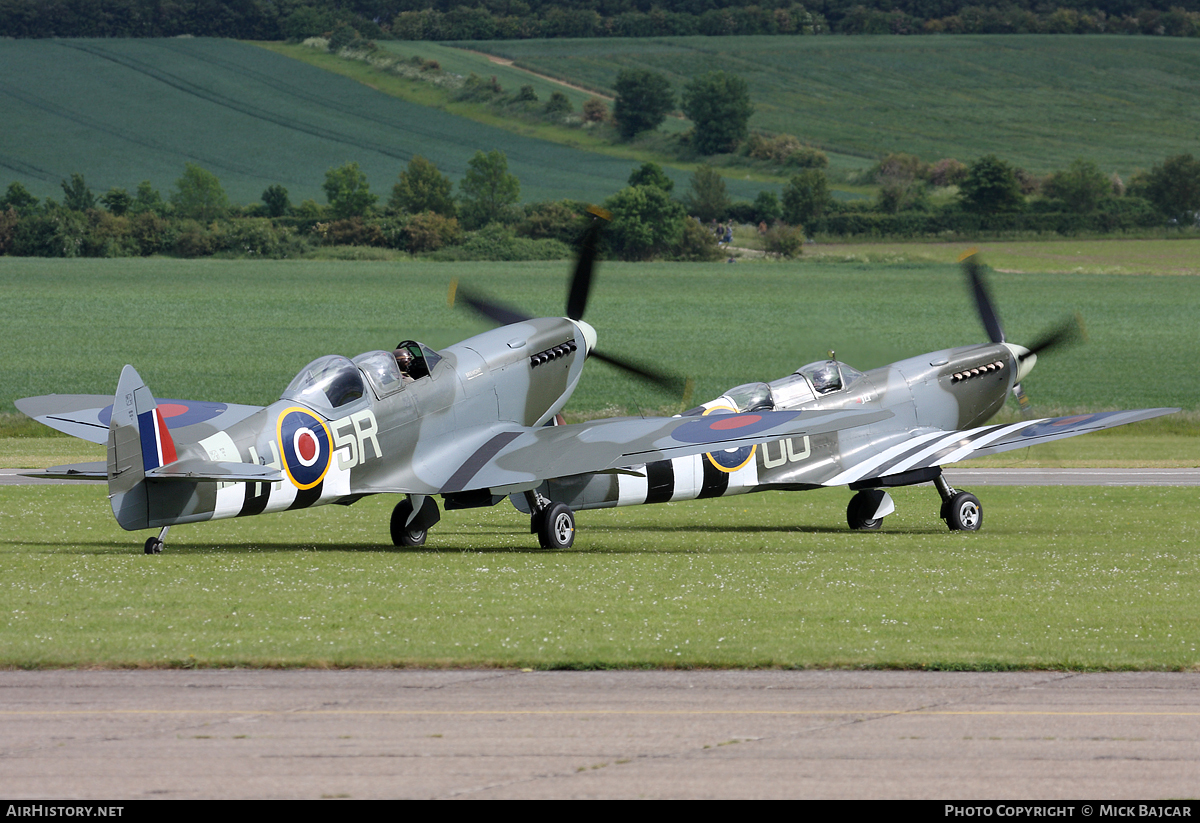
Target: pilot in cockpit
x=404, y=361
x=827, y=378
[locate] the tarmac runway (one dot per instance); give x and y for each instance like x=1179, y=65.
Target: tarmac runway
x=125, y=735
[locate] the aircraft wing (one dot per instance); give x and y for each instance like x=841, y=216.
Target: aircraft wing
x=75, y=471
x=938, y=447
x=527, y=456
x=86, y=416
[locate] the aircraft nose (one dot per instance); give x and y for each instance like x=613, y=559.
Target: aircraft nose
x=589, y=334
x=1026, y=360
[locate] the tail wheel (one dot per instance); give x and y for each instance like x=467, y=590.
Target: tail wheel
x=963, y=513
x=556, y=527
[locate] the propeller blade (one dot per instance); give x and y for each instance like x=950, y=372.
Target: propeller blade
x=1069, y=331
x=581, y=280
x=670, y=383
x=983, y=300
x=498, y=313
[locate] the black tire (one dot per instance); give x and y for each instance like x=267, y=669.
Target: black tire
x=556, y=527
x=963, y=513
x=153, y=545
x=403, y=535
x=856, y=513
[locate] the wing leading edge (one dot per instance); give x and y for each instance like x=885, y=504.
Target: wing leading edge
x=938, y=448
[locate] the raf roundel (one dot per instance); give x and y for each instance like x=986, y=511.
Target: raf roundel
x=701, y=430
x=730, y=460
x=304, y=442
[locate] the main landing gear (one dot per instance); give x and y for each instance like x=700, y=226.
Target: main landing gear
x=868, y=508
x=961, y=510
x=412, y=519
x=553, y=523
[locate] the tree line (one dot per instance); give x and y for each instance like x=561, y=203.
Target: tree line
x=485, y=221
x=992, y=197
x=523, y=19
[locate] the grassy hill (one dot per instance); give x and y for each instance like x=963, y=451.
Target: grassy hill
x=122, y=111
x=1039, y=101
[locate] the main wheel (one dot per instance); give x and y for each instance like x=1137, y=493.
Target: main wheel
x=963, y=513
x=857, y=513
x=153, y=545
x=402, y=534
x=556, y=527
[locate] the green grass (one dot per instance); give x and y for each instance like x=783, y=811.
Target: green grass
x=1037, y=101
x=1168, y=256
x=1064, y=578
x=239, y=330
x=121, y=111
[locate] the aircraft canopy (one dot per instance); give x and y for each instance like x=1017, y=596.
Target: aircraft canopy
x=326, y=383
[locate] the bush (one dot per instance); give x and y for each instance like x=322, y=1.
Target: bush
x=785, y=150
x=256, y=237
x=109, y=235
x=947, y=172
x=429, y=231
x=783, y=240
x=495, y=242
x=151, y=234
x=352, y=231
x=562, y=220
x=193, y=240
x=595, y=110
x=558, y=105
x=696, y=244
x=8, y=228
x=478, y=90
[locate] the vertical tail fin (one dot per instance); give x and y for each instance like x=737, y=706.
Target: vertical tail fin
x=138, y=441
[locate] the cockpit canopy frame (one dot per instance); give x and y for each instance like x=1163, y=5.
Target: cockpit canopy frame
x=327, y=383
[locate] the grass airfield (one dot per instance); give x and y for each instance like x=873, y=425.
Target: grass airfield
x=1071, y=578
x=1061, y=578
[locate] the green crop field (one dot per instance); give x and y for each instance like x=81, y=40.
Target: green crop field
x=1038, y=101
x=123, y=111
x=741, y=183
x=238, y=330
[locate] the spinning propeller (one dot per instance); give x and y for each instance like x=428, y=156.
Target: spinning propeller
x=577, y=297
x=1068, y=331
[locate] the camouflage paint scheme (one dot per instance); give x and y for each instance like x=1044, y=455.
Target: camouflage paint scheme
x=472, y=428
x=937, y=403
x=475, y=423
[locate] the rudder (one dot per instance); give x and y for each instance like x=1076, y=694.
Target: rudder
x=138, y=442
